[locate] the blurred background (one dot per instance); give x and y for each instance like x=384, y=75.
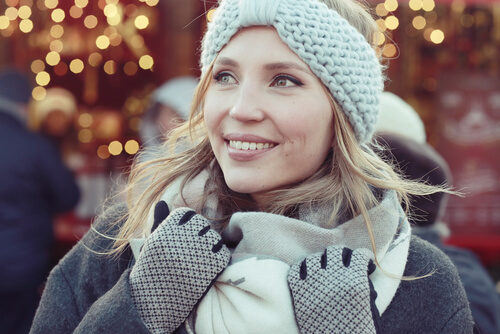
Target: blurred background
x=98, y=63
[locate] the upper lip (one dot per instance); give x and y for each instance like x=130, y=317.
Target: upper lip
x=245, y=137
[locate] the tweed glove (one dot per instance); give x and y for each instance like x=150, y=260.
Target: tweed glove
x=332, y=292
x=177, y=265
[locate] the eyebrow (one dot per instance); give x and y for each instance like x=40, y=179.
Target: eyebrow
x=272, y=66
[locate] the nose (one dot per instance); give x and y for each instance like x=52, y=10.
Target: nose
x=247, y=105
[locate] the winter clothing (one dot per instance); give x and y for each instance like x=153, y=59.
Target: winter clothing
x=398, y=117
x=90, y=293
x=417, y=161
x=35, y=185
x=334, y=50
x=175, y=94
x=175, y=286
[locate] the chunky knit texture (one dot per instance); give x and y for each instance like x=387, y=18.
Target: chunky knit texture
x=334, y=50
x=178, y=263
x=332, y=292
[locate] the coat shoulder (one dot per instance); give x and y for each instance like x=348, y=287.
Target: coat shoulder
x=431, y=298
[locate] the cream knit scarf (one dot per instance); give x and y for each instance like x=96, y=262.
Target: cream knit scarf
x=252, y=295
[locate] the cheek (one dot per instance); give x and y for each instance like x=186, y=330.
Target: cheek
x=211, y=114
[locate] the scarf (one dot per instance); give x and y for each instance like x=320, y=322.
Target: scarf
x=251, y=295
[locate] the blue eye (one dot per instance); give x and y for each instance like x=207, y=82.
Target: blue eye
x=285, y=81
x=224, y=78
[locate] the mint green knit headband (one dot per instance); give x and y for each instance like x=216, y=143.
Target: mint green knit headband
x=334, y=50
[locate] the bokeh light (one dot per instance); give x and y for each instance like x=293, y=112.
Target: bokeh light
x=146, y=62
x=76, y=66
x=131, y=147
x=115, y=147
x=38, y=93
x=42, y=78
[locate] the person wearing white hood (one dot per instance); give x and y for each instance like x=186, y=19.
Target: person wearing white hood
x=169, y=106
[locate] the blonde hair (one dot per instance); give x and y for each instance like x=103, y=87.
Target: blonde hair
x=345, y=179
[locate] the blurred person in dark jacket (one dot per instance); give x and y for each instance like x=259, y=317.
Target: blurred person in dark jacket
x=418, y=160
x=35, y=186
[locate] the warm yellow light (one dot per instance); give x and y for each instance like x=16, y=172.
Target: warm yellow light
x=137, y=41
x=56, y=31
x=428, y=5
x=379, y=38
x=38, y=93
x=102, y=42
x=141, y=22
x=391, y=5
x=130, y=68
x=81, y=3
x=419, y=22
x=110, y=10
x=381, y=25
x=389, y=50
x=415, y=4
x=26, y=25
x=24, y=12
x=152, y=3
x=76, y=66
x=103, y=152
x=146, y=62
x=115, y=147
x=75, y=12
x=114, y=20
x=131, y=147
x=391, y=22
x=53, y=58
x=114, y=2
x=58, y=15
x=51, y=4
x=85, y=120
x=110, y=67
x=85, y=136
x=210, y=15
x=37, y=66
x=90, y=22
x=380, y=10
x=56, y=45
x=437, y=36
x=11, y=13
x=42, y=78
x=95, y=59
x=4, y=22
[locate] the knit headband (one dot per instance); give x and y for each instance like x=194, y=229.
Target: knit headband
x=333, y=49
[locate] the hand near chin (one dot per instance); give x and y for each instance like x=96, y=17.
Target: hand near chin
x=178, y=263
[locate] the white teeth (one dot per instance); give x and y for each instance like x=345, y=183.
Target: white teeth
x=249, y=146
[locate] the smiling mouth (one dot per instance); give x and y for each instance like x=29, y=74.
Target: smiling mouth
x=249, y=146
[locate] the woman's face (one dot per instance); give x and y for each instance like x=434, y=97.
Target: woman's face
x=268, y=117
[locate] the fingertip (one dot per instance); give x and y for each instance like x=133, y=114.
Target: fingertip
x=303, y=270
x=346, y=256
x=324, y=260
x=186, y=217
x=161, y=212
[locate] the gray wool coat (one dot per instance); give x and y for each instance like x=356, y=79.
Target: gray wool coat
x=90, y=293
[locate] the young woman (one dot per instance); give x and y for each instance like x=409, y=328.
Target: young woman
x=279, y=218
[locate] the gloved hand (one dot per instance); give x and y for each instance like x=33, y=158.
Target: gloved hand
x=177, y=265
x=332, y=292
